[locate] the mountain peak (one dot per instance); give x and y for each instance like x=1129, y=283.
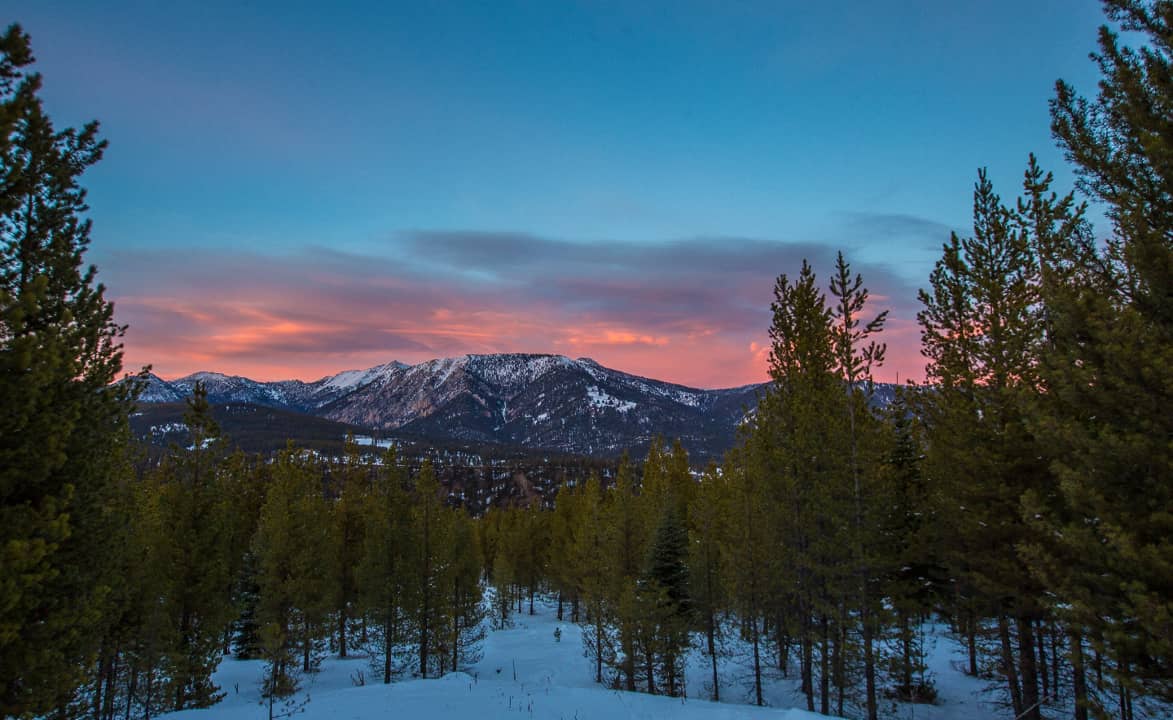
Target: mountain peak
x=535, y=400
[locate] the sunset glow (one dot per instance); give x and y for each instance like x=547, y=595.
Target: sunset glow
x=292, y=193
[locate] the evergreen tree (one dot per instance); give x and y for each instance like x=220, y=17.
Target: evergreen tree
x=564, y=525
x=351, y=484
x=466, y=601
x=665, y=591
x=296, y=550
x=747, y=556
x=626, y=542
x=1110, y=369
x=385, y=578
x=529, y=550
x=193, y=501
x=907, y=537
x=798, y=454
x=707, y=527
x=982, y=332
x=595, y=583
x=432, y=538
x=855, y=356
x=151, y=634
x=63, y=431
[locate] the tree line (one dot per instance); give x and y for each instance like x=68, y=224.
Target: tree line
x=1021, y=495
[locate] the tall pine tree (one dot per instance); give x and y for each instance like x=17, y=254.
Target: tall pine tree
x=1110, y=367
x=63, y=429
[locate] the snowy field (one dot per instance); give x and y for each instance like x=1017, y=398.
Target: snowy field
x=526, y=673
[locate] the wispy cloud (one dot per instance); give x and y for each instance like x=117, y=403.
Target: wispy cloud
x=693, y=311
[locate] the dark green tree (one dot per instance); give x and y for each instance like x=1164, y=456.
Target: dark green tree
x=431, y=525
x=63, y=430
x=855, y=356
x=982, y=330
x=386, y=584
x=665, y=591
x=351, y=483
x=1110, y=372
x=708, y=523
x=194, y=503
x=296, y=547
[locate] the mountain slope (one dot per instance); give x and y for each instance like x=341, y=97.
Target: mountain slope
x=548, y=402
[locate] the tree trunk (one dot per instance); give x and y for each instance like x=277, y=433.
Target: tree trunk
x=628, y=656
x=757, y=663
x=111, y=680
x=388, y=644
x=100, y=681
x=1044, y=680
x=841, y=661
x=1008, y=668
x=1054, y=632
x=971, y=642
x=1078, y=676
x=808, y=683
x=824, y=668
x=598, y=648
x=869, y=659
x=424, y=636
x=1028, y=667
x=783, y=641
x=147, y=704
x=906, y=651
x=305, y=651
x=132, y=687
x=342, y=633
x=711, y=632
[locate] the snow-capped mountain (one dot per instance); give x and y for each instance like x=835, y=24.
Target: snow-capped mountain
x=548, y=402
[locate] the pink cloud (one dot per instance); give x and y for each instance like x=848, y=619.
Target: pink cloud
x=310, y=316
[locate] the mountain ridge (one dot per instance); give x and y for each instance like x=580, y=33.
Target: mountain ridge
x=539, y=401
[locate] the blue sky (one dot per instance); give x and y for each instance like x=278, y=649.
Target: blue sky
x=371, y=164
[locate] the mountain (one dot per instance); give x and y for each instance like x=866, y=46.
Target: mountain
x=547, y=402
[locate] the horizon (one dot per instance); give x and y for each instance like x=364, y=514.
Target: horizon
x=290, y=191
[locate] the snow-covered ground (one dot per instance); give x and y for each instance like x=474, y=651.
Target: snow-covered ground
x=526, y=673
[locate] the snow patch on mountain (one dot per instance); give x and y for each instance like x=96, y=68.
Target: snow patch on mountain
x=351, y=379
x=601, y=400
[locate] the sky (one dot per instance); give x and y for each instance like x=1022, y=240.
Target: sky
x=293, y=189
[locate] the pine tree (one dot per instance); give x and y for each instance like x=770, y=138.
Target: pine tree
x=855, y=356
x=432, y=538
x=63, y=430
x=595, y=582
x=528, y=549
x=151, y=633
x=707, y=526
x=907, y=538
x=664, y=590
x=194, y=506
x=748, y=557
x=564, y=525
x=296, y=548
x=982, y=332
x=385, y=572
x=1111, y=368
x=465, y=603
x=797, y=453
x=626, y=542
x=351, y=484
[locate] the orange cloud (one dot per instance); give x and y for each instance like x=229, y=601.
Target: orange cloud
x=310, y=317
